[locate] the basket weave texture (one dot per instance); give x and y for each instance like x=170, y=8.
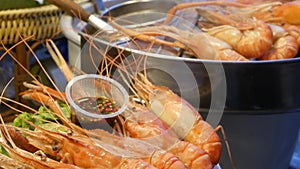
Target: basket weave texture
x=41, y=22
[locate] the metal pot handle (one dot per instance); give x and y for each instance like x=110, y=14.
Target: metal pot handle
x=79, y=12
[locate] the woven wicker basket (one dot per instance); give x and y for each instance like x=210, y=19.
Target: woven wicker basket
x=42, y=22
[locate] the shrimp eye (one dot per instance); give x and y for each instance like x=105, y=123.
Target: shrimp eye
x=54, y=147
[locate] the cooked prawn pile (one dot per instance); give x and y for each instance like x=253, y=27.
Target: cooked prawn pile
x=52, y=135
x=159, y=129
x=228, y=30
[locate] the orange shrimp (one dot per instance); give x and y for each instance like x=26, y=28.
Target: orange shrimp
x=192, y=41
x=31, y=160
x=148, y=152
x=183, y=117
x=224, y=50
x=250, y=1
x=293, y=30
x=195, y=42
x=158, y=158
x=251, y=38
x=139, y=122
x=76, y=149
x=28, y=159
x=193, y=156
x=268, y=11
x=277, y=12
x=251, y=43
x=79, y=150
x=35, y=85
x=143, y=124
x=285, y=46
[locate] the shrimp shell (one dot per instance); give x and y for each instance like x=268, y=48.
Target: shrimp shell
x=285, y=47
x=143, y=124
x=79, y=150
x=150, y=153
x=159, y=159
x=277, y=12
x=29, y=159
x=183, y=118
x=250, y=43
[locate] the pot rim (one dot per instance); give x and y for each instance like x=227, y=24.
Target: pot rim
x=195, y=60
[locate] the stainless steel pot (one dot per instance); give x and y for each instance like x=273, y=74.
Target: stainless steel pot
x=259, y=102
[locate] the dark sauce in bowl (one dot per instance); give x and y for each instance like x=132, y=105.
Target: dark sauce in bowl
x=97, y=105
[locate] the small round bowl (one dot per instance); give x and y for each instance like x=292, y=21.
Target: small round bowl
x=94, y=86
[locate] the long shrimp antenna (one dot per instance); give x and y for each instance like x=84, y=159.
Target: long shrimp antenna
x=219, y=127
x=127, y=83
x=17, y=103
x=43, y=69
x=108, y=60
x=12, y=47
x=5, y=87
x=8, y=51
x=58, y=59
x=6, y=135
